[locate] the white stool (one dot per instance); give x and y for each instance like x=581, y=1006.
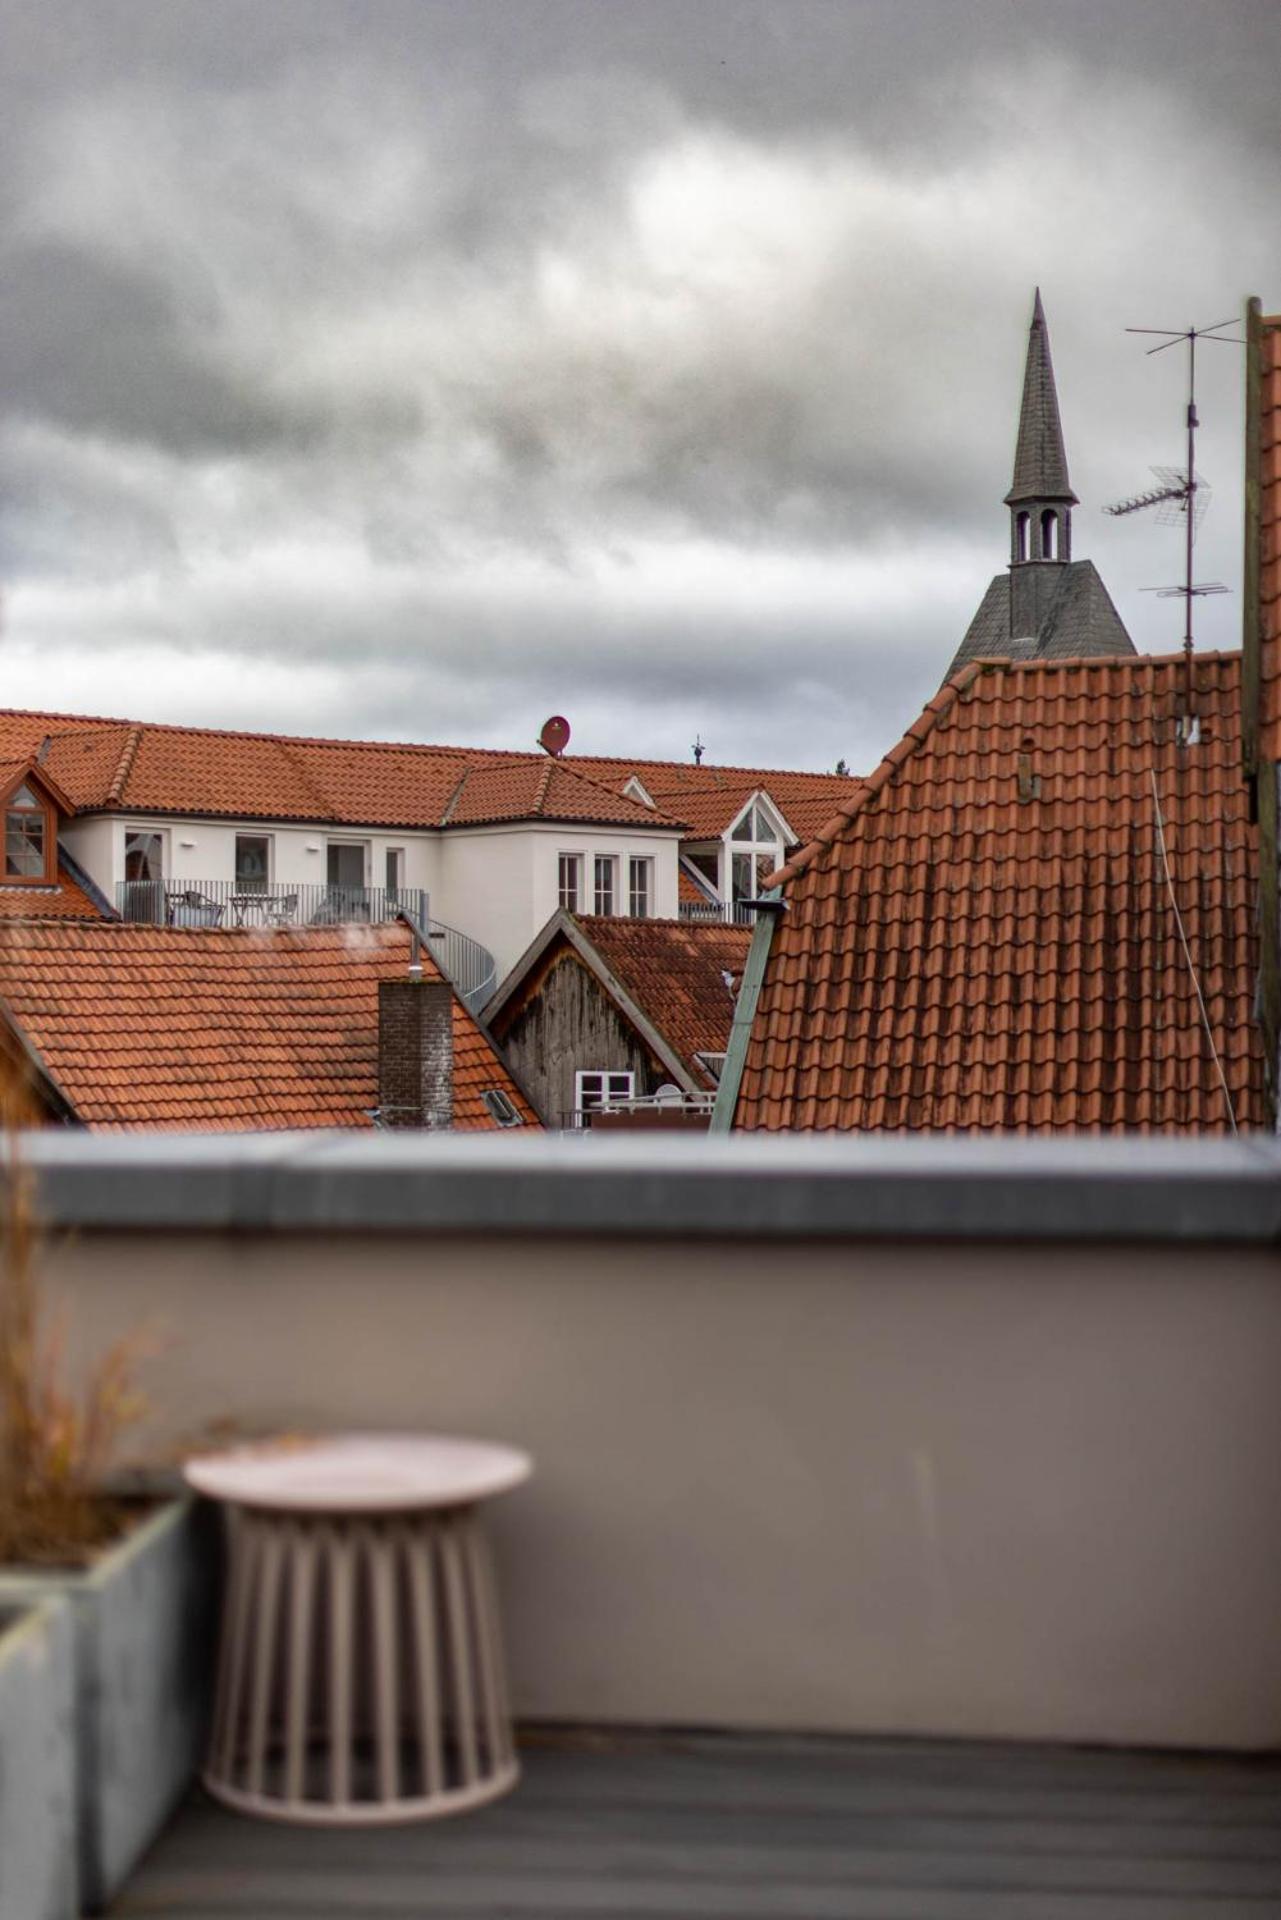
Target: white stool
x=361, y=1678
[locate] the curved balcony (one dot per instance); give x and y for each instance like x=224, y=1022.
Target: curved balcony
x=223, y=903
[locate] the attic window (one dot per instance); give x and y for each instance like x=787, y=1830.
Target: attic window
x=502, y=1110
x=1187, y=729
x=27, y=838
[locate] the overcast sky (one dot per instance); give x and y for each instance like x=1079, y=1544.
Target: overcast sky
x=416, y=370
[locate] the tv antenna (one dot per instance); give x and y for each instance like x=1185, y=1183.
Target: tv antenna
x=1181, y=496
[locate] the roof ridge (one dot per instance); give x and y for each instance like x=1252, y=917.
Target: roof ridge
x=879, y=778
x=124, y=765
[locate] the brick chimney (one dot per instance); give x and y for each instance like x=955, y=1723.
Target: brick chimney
x=416, y=1053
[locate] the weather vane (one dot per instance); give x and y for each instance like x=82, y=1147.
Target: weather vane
x=1181, y=495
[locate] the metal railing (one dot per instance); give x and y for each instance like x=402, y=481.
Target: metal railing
x=735, y=913
x=226, y=903
x=643, y=1105
x=471, y=967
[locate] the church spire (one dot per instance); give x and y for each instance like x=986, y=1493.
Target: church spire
x=1040, y=462
x=1040, y=498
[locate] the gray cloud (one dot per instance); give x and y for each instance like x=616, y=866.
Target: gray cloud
x=656, y=362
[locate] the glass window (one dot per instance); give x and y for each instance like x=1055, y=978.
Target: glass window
x=743, y=831
x=605, y=890
x=640, y=888
x=24, y=843
x=595, y=1090
x=570, y=881
x=253, y=862
x=395, y=869
x=345, y=864
x=144, y=856
x=502, y=1109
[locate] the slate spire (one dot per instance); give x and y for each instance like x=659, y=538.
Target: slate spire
x=1040, y=462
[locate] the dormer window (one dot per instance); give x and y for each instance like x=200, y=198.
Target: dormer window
x=757, y=849
x=29, y=837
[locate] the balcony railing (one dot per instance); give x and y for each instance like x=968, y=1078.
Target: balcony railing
x=736, y=913
x=225, y=903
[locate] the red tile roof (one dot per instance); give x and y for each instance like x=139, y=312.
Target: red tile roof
x=543, y=789
x=711, y=797
x=65, y=901
x=984, y=936
x=167, y=1027
x=1270, y=541
x=263, y=776
x=674, y=972
x=148, y=768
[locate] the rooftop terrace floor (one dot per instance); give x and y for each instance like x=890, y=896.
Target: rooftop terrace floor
x=736, y=1829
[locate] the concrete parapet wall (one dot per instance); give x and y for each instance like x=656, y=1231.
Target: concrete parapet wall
x=888, y=1477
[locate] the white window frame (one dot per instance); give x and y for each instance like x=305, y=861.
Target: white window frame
x=345, y=840
x=394, y=888
x=606, y=1091
x=252, y=833
x=576, y=860
x=150, y=828
x=608, y=863
x=774, y=849
x=645, y=862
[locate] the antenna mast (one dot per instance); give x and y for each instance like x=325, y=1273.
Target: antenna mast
x=1178, y=491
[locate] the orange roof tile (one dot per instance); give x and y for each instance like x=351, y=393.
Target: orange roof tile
x=218, y=1030
x=674, y=971
x=710, y=797
x=1270, y=540
x=983, y=937
x=65, y=901
x=262, y=776
x=543, y=789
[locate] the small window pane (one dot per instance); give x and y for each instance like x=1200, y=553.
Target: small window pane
x=253, y=853
x=24, y=845
x=395, y=869
x=639, y=888
x=743, y=831
x=570, y=865
x=25, y=798
x=592, y=1091
x=606, y=867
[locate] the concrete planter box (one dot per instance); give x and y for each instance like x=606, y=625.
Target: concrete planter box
x=141, y=1631
x=37, y=1763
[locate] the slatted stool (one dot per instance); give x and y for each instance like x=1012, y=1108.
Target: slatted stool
x=361, y=1678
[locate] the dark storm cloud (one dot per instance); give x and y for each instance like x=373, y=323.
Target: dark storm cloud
x=411, y=349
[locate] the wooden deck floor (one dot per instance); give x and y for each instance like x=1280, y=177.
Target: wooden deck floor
x=726, y=1829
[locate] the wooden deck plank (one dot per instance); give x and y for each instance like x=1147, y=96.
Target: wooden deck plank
x=768, y=1831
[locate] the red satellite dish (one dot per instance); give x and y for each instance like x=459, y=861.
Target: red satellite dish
x=554, y=737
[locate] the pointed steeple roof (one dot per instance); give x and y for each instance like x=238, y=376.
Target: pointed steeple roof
x=1040, y=462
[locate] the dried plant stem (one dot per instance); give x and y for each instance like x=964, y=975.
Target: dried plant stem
x=55, y=1445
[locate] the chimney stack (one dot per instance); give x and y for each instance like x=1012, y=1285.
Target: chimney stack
x=416, y=1053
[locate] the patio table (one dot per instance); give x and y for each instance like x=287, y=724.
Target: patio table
x=264, y=909
x=361, y=1678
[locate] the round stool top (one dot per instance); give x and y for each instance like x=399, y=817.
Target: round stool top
x=359, y=1472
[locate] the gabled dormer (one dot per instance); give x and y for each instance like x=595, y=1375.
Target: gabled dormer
x=33, y=806
x=636, y=789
